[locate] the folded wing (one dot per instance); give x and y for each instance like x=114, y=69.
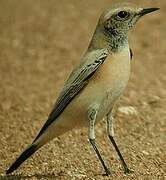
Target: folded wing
x=75, y=83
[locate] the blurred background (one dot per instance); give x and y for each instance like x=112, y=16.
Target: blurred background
x=40, y=43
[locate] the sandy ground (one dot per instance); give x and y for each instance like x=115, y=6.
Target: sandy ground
x=40, y=42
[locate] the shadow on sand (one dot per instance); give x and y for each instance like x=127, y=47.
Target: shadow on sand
x=36, y=176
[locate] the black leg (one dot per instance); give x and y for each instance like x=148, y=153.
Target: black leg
x=107, y=171
x=126, y=169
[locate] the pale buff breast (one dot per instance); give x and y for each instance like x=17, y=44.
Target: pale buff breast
x=115, y=72
x=111, y=79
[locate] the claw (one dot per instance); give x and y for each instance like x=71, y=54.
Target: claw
x=128, y=171
x=107, y=172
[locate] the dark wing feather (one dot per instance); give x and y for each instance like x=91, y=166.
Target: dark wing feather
x=69, y=92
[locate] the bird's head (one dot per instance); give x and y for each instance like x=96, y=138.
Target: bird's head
x=122, y=17
x=114, y=25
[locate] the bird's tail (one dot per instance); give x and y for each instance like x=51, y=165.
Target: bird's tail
x=49, y=134
x=25, y=155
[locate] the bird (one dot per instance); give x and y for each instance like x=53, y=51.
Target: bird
x=94, y=85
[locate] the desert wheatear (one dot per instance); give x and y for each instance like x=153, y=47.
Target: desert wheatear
x=95, y=83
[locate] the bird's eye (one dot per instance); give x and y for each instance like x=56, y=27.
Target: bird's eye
x=123, y=14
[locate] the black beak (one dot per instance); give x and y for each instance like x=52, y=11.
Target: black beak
x=147, y=11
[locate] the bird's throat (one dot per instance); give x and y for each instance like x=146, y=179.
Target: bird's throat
x=111, y=39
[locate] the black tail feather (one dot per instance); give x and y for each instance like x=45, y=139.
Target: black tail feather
x=25, y=155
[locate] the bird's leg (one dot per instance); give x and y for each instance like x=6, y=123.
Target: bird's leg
x=92, y=117
x=110, y=131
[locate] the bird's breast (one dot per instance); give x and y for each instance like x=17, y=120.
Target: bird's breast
x=109, y=82
x=113, y=75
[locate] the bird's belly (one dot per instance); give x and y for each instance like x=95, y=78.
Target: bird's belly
x=102, y=95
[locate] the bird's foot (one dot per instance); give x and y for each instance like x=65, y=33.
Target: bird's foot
x=128, y=171
x=107, y=172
